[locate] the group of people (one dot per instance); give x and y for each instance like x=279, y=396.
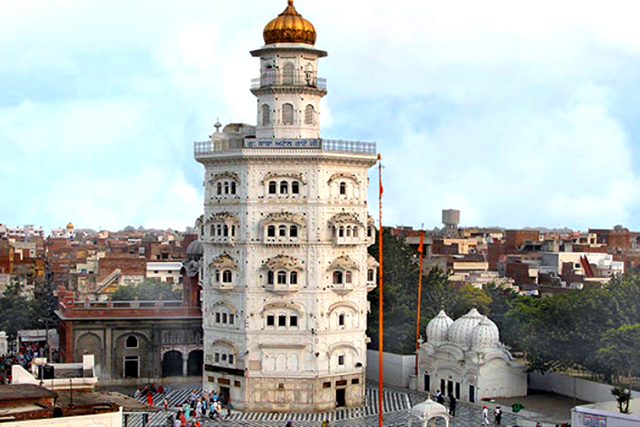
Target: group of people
x=452, y=402
x=23, y=357
x=197, y=407
x=497, y=416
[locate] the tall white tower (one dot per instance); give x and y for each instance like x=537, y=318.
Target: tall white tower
x=285, y=230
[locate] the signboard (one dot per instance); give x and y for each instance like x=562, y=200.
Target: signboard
x=594, y=421
x=282, y=143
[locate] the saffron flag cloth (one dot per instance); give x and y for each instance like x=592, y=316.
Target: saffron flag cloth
x=421, y=241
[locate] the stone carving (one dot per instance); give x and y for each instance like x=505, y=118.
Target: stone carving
x=282, y=261
x=344, y=262
x=351, y=176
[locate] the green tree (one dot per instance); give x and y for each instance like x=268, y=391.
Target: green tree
x=468, y=297
x=147, y=290
x=400, y=278
x=620, y=351
x=17, y=312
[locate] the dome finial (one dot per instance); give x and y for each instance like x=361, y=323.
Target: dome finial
x=290, y=2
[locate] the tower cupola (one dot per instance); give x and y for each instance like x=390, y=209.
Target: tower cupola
x=289, y=27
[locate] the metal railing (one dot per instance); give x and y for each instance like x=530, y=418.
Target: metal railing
x=123, y=304
x=206, y=148
x=304, y=79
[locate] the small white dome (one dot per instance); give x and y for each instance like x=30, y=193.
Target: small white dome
x=437, y=328
x=461, y=331
x=485, y=335
x=428, y=409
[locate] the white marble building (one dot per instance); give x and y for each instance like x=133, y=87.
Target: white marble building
x=285, y=231
x=466, y=358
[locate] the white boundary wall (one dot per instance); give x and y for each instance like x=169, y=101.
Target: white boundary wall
x=397, y=368
x=566, y=385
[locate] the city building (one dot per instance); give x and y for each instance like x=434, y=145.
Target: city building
x=285, y=232
x=466, y=358
x=136, y=341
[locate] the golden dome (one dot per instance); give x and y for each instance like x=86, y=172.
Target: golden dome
x=70, y=226
x=289, y=27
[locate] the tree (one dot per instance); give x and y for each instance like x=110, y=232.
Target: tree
x=468, y=297
x=17, y=312
x=147, y=290
x=620, y=351
x=400, y=278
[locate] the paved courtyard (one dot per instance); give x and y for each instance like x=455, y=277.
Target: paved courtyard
x=396, y=403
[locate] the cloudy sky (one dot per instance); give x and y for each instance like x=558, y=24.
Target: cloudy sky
x=517, y=113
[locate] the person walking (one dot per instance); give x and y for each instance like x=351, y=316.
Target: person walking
x=150, y=399
x=452, y=405
x=165, y=403
x=229, y=408
x=485, y=416
x=497, y=415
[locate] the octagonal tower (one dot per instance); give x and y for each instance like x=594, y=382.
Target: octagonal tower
x=285, y=232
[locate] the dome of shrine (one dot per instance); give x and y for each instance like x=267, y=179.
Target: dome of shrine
x=437, y=328
x=485, y=335
x=461, y=331
x=289, y=27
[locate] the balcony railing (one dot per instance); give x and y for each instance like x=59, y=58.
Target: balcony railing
x=207, y=148
x=306, y=79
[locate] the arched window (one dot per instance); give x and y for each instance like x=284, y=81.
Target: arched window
x=348, y=231
x=282, y=231
x=288, y=73
x=282, y=278
x=295, y=187
x=217, y=275
x=341, y=319
x=284, y=187
x=343, y=188
x=273, y=187
x=271, y=231
x=227, y=276
x=226, y=188
x=293, y=231
x=370, y=232
x=213, y=230
x=219, y=230
x=225, y=230
x=293, y=278
x=341, y=231
x=270, y=277
x=309, y=115
x=355, y=231
x=349, y=277
x=219, y=188
x=233, y=187
x=131, y=342
x=337, y=277
x=287, y=114
x=266, y=115
x=371, y=275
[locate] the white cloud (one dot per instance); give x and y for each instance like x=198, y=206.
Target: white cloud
x=509, y=111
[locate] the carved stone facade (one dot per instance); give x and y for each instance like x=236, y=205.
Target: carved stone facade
x=284, y=330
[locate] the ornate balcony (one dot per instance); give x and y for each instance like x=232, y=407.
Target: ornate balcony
x=214, y=148
x=279, y=79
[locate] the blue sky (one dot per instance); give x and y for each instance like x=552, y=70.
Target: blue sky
x=519, y=114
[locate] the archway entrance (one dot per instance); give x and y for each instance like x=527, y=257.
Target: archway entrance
x=172, y=364
x=194, y=364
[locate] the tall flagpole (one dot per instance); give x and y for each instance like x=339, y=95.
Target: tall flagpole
x=420, y=249
x=380, y=302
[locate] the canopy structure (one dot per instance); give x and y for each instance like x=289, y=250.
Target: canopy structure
x=424, y=412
